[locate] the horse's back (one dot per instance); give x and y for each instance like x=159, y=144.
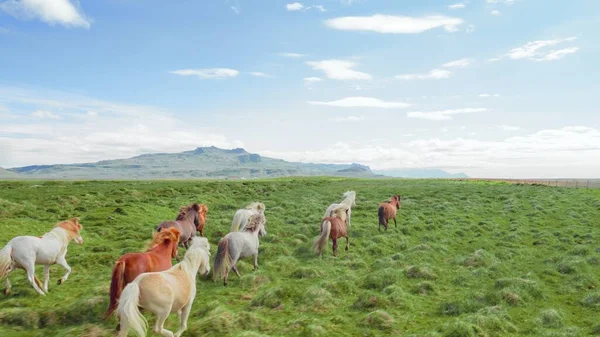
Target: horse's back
x=241, y=244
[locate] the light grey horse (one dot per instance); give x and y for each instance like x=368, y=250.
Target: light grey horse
x=238, y=245
x=242, y=216
x=346, y=205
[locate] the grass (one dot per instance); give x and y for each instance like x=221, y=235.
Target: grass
x=468, y=258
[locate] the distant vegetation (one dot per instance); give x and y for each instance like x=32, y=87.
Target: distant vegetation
x=468, y=259
x=204, y=162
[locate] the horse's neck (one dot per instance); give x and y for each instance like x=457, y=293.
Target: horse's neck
x=57, y=237
x=161, y=249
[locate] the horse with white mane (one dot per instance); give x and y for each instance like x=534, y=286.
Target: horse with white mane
x=165, y=292
x=236, y=245
x=241, y=216
x=26, y=251
x=345, y=205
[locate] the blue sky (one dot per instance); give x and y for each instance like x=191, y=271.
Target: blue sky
x=492, y=88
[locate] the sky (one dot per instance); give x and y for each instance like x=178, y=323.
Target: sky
x=491, y=88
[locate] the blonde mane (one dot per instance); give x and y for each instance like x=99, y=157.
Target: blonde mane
x=198, y=254
x=254, y=222
x=158, y=238
x=71, y=226
x=259, y=206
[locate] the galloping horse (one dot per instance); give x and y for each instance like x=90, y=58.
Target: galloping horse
x=387, y=211
x=129, y=266
x=237, y=245
x=347, y=203
x=165, y=292
x=188, y=222
x=26, y=251
x=241, y=216
x=333, y=228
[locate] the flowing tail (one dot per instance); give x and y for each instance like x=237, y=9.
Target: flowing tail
x=5, y=261
x=322, y=239
x=128, y=311
x=116, y=287
x=381, y=214
x=222, y=260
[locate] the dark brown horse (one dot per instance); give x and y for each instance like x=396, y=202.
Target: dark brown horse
x=333, y=228
x=187, y=221
x=387, y=210
x=157, y=258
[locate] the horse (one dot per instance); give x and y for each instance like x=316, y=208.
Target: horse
x=333, y=228
x=165, y=292
x=157, y=258
x=241, y=216
x=237, y=245
x=202, y=219
x=26, y=251
x=387, y=211
x=187, y=222
x=347, y=203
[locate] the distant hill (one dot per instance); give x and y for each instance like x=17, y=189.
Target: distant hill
x=420, y=173
x=203, y=162
x=6, y=174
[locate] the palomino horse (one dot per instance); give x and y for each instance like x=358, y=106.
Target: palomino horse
x=165, y=292
x=241, y=216
x=26, y=251
x=237, y=245
x=333, y=228
x=188, y=222
x=387, y=211
x=129, y=266
x=347, y=203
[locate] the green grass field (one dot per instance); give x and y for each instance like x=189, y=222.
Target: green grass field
x=467, y=258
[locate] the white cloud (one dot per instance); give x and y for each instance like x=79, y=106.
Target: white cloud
x=388, y=24
x=494, y=59
x=319, y=8
x=292, y=55
x=537, y=50
x=312, y=79
x=237, y=10
x=208, y=73
x=441, y=115
x=260, y=74
x=435, y=74
x=42, y=114
x=457, y=5
x=486, y=95
x=348, y=119
x=362, y=102
x=509, y=128
x=62, y=12
x=470, y=29
x=339, y=70
x=495, y=12
x=465, y=62
x=295, y=6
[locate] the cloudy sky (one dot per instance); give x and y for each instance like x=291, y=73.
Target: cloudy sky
x=492, y=88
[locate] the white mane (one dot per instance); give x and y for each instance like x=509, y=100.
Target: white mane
x=197, y=253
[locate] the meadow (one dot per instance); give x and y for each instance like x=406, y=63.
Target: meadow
x=468, y=258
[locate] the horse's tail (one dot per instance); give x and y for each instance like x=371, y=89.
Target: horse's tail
x=322, y=239
x=5, y=260
x=237, y=221
x=129, y=314
x=381, y=214
x=159, y=228
x=116, y=287
x=222, y=259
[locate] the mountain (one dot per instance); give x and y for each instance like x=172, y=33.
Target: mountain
x=6, y=174
x=420, y=173
x=203, y=162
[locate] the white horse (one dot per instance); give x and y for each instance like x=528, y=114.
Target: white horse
x=26, y=251
x=241, y=216
x=237, y=245
x=165, y=292
x=345, y=205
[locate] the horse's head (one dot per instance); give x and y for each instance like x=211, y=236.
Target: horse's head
x=351, y=196
x=202, y=216
x=73, y=227
x=169, y=236
x=398, y=200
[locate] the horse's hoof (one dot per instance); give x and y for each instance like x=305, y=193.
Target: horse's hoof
x=118, y=328
x=60, y=281
x=6, y=292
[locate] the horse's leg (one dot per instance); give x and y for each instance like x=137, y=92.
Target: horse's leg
x=30, y=269
x=186, y=244
x=395, y=223
x=46, y=276
x=236, y=271
x=183, y=318
x=63, y=263
x=347, y=243
x=256, y=261
x=8, y=285
x=335, y=247
x=159, y=327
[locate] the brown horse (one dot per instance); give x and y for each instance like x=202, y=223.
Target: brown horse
x=202, y=219
x=187, y=221
x=387, y=211
x=333, y=228
x=157, y=258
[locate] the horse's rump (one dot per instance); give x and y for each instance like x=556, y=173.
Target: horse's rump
x=222, y=260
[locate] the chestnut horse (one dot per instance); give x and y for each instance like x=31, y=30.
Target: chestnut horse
x=387, y=211
x=188, y=221
x=129, y=266
x=333, y=228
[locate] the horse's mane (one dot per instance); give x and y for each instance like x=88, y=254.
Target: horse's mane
x=254, y=221
x=199, y=249
x=259, y=206
x=340, y=212
x=72, y=226
x=171, y=234
x=184, y=210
